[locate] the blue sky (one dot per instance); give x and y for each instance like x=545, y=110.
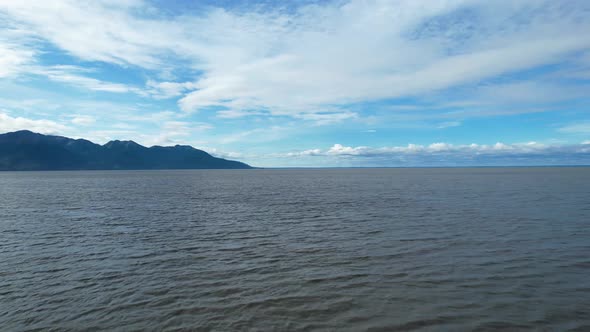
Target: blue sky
x=306, y=83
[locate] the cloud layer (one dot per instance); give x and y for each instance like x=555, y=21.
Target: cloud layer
x=9, y=123
x=315, y=59
x=444, y=154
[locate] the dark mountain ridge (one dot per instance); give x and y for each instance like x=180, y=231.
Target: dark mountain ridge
x=28, y=151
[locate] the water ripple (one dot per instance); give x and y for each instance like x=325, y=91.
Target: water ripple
x=296, y=250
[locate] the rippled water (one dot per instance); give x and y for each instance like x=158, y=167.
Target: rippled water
x=345, y=249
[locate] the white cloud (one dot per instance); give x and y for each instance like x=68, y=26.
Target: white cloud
x=440, y=148
x=166, y=133
x=338, y=61
x=310, y=152
x=576, y=128
x=75, y=27
x=308, y=62
x=16, y=52
x=71, y=75
x=225, y=154
x=175, y=132
x=168, y=89
x=442, y=154
x=83, y=120
x=9, y=124
x=13, y=59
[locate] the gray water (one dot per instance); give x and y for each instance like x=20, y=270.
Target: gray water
x=286, y=250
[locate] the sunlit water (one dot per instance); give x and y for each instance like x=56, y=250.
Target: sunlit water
x=334, y=249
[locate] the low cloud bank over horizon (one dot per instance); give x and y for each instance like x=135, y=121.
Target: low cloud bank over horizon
x=444, y=154
x=416, y=155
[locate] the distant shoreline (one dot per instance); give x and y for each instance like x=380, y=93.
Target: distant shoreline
x=289, y=168
x=28, y=151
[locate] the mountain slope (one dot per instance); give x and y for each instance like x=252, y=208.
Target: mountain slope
x=27, y=151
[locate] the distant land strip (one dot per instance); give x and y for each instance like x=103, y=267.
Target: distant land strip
x=28, y=151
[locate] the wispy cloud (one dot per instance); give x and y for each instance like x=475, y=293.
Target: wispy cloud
x=167, y=89
x=176, y=132
x=518, y=148
x=71, y=75
x=83, y=120
x=445, y=154
x=16, y=51
x=576, y=128
x=13, y=123
x=317, y=57
x=13, y=59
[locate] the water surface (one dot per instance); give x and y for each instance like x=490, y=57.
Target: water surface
x=332, y=249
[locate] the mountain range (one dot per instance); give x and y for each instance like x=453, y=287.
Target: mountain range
x=28, y=151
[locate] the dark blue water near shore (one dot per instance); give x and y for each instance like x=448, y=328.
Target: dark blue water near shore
x=334, y=249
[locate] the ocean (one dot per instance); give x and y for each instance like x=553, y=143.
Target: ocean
x=400, y=249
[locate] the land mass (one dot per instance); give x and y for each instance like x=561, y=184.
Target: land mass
x=28, y=151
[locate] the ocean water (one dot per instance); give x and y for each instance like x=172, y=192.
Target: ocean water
x=287, y=250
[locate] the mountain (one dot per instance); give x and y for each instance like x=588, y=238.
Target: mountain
x=27, y=151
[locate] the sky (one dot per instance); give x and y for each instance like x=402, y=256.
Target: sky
x=307, y=83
